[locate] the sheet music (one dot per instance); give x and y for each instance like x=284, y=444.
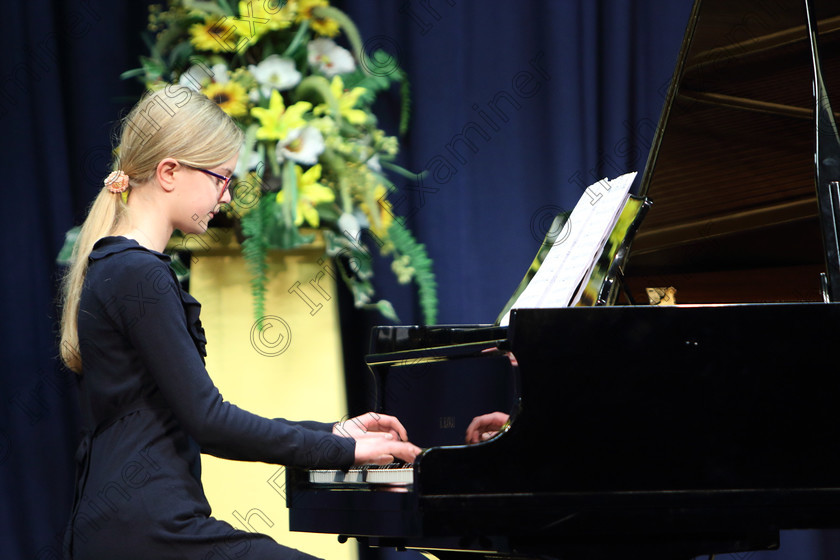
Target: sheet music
x=566, y=269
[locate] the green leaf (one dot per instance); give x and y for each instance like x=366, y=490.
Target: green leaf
x=182, y=272
x=328, y=212
x=154, y=68
x=133, y=73
x=148, y=38
x=290, y=193
x=300, y=37
x=405, y=108
x=371, y=83
x=399, y=170
x=209, y=7
x=282, y=236
x=319, y=87
x=245, y=151
x=179, y=55
x=254, y=251
x=384, y=306
x=226, y=7
x=65, y=254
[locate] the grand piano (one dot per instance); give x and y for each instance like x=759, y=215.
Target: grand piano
x=639, y=430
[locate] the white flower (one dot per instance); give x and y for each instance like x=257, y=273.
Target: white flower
x=361, y=218
x=249, y=160
x=196, y=76
x=199, y=75
x=220, y=73
x=349, y=225
x=275, y=72
x=329, y=58
x=302, y=145
x=373, y=163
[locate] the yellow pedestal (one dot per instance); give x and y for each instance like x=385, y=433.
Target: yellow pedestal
x=291, y=368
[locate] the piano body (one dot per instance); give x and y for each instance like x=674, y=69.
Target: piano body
x=639, y=430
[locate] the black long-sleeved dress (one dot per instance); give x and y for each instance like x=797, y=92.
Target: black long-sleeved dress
x=150, y=408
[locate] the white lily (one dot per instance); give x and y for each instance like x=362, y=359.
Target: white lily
x=220, y=73
x=198, y=75
x=349, y=225
x=329, y=58
x=275, y=72
x=302, y=145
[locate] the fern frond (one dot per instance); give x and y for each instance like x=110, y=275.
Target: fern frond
x=405, y=103
x=255, y=252
x=406, y=246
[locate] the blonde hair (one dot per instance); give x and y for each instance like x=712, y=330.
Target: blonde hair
x=173, y=121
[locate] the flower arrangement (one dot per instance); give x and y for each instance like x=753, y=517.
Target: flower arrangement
x=313, y=155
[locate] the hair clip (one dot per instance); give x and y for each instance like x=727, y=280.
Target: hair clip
x=117, y=181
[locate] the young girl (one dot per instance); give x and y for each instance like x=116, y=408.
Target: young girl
x=134, y=337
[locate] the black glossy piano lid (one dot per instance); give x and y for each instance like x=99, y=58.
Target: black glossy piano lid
x=732, y=174
x=738, y=398
x=732, y=397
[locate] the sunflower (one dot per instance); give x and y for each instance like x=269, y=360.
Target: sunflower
x=259, y=19
x=230, y=96
x=215, y=34
x=321, y=25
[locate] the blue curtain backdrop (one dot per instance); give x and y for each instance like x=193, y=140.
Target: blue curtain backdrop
x=516, y=107
x=60, y=92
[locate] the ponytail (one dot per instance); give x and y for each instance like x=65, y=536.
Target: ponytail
x=104, y=217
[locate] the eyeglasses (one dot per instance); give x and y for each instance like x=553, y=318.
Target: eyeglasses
x=225, y=180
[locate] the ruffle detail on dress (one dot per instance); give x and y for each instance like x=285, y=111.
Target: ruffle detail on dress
x=192, y=310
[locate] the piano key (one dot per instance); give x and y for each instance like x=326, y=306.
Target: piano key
x=395, y=473
x=392, y=473
x=335, y=476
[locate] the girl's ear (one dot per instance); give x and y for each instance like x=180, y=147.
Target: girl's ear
x=165, y=173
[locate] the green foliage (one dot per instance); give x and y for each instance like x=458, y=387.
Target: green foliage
x=66, y=252
x=412, y=261
x=371, y=82
x=313, y=155
x=255, y=250
x=405, y=109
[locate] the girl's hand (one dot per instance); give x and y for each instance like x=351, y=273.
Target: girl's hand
x=380, y=439
x=371, y=422
x=486, y=426
x=381, y=448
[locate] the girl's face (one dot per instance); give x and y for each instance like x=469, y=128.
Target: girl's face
x=201, y=193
